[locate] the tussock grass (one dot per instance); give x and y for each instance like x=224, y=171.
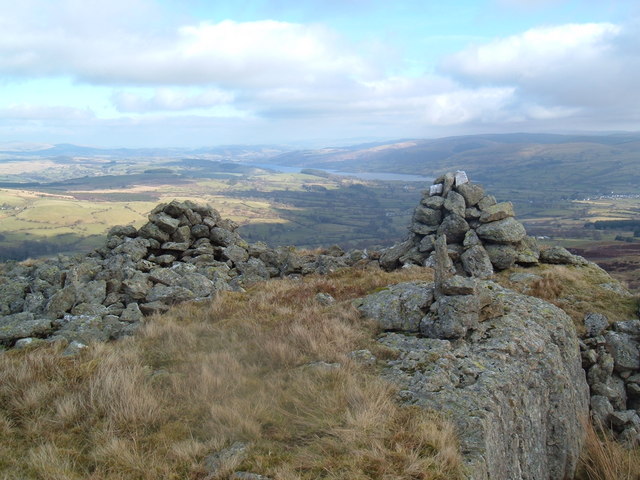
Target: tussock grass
x=605, y=459
x=204, y=376
x=578, y=291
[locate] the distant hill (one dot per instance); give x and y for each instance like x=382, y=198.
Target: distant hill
x=571, y=166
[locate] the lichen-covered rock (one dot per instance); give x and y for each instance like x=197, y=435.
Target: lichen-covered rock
x=516, y=391
x=501, y=256
x=399, y=307
x=454, y=227
x=508, y=230
x=427, y=216
x=476, y=262
x=472, y=193
x=496, y=212
x=454, y=203
x=22, y=325
x=560, y=255
x=390, y=257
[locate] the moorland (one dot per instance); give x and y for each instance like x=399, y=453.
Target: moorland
x=580, y=191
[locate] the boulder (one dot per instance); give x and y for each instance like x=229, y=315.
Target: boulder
x=472, y=193
x=476, y=262
x=399, y=307
x=516, y=393
x=508, y=230
x=559, y=255
x=427, y=216
x=496, y=212
x=501, y=256
x=23, y=325
x=454, y=227
x=454, y=203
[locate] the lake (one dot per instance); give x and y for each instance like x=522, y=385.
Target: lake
x=384, y=176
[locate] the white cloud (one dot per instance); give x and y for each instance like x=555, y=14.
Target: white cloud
x=466, y=106
x=40, y=112
x=535, y=53
x=168, y=99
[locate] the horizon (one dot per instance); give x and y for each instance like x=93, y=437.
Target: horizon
x=162, y=74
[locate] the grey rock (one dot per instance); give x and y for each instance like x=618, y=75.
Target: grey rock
x=528, y=252
x=61, y=302
x=152, y=308
x=252, y=271
x=222, y=237
x=135, y=248
x=508, y=230
x=629, y=327
x=23, y=325
x=164, y=222
x=472, y=193
x=364, y=357
x=94, y=291
x=517, y=393
x=496, y=212
x=427, y=216
x=235, y=253
x=427, y=244
x=624, y=351
x=390, y=258
x=455, y=315
x=28, y=342
x=422, y=229
x=12, y=295
x=200, y=231
x=169, y=295
x=137, y=286
x=433, y=202
x=166, y=276
x=151, y=230
x=123, y=231
x=182, y=235
x=399, y=307
x=89, y=309
x=175, y=246
x=200, y=285
x=458, y=285
x=455, y=203
x=454, y=227
x=614, y=287
x=559, y=255
x=324, y=298
x=486, y=202
x=326, y=264
x=472, y=214
x=601, y=409
x=471, y=239
x=131, y=314
x=501, y=256
x=595, y=324
x=476, y=262
x=228, y=457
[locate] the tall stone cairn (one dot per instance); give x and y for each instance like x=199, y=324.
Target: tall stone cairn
x=482, y=235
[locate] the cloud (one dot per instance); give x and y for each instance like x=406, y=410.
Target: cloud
x=38, y=112
x=167, y=99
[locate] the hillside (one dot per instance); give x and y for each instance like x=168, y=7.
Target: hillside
x=524, y=165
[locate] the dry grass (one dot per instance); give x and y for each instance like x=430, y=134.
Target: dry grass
x=605, y=459
x=577, y=291
x=202, y=377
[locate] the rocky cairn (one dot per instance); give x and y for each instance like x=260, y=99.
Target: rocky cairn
x=505, y=368
x=186, y=252
x=482, y=235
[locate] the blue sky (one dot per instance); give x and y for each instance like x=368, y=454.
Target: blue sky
x=195, y=73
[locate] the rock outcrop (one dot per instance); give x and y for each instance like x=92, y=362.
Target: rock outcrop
x=504, y=367
x=611, y=357
x=186, y=252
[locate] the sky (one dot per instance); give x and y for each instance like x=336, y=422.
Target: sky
x=192, y=73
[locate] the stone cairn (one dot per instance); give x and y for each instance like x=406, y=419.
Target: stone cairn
x=186, y=252
x=482, y=235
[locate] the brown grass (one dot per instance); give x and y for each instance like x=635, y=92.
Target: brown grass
x=202, y=377
x=605, y=459
x=577, y=291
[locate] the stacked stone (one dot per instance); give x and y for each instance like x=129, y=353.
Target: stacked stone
x=611, y=358
x=482, y=235
x=186, y=252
